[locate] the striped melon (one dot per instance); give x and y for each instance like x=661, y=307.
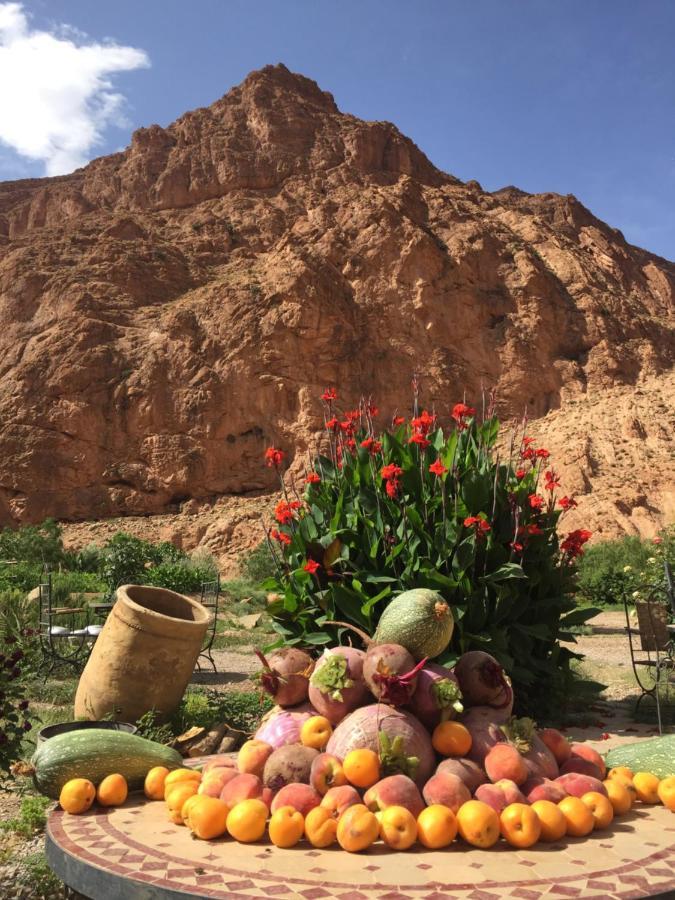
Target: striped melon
x=656, y=755
x=420, y=620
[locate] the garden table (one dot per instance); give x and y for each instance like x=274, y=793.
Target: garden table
x=135, y=853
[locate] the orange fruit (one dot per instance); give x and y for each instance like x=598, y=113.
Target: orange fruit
x=578, y=816
x=176, y=797
x=178, y=776
x=620, y=772
x=666, y=792
x=112, y=791
x=187, y=806
x=601, y=808
x=647, y=787
x=451, y=739
x=320, y=827
x=316, y=732
x=398, y=827
x=207, y=817
x=246, y=821
x=362, y=768
x=436, y=826
x=154, y=783
x=520, y=825
x=286, y=826
x=620, y=795
x=77, y=795
x=357, y=828
x=478, y=824
x=551, y=819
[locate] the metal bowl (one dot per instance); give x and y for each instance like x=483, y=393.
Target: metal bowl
x=50, y=731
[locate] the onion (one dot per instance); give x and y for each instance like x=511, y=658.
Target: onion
x=283, y=726
x=336, y=686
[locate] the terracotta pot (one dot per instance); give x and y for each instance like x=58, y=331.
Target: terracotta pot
x=144, y=656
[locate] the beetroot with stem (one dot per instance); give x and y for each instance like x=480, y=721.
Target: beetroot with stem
x=285, y=675
x=437, y=696
x=390, y=673
x=336, y=686
x=483, y=681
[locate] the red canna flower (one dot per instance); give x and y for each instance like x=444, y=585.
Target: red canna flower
x=420, y=440
x=367, y=443
x=567, y=502
x=333, y=423
x=516, y=547
x=542, y=453
x=531, y=530
x=573, y=543
x=520, y=474
x=329, y=395
x=536, y=502
x=392, y=488
x=437, y=468
x=350, y=443
x=527, y=441
x=283, y=511
x=375, y=448
x=529, y=453
x=313, y=478
x=372, y=411
x=461, y=411
x=552, y=480
x=391, y=471
x=273, y=457
x=311, y=566
x=480, y=525
x=397, y=420
x=424, y=422
x=280, y=536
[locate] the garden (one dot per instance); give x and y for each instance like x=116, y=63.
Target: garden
x=413, y=616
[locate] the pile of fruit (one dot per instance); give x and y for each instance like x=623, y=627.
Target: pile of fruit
x=378, y=744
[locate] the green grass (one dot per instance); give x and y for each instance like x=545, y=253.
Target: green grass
x=36, y=875
x=32, y=817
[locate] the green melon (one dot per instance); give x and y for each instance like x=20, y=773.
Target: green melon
x=420, y=620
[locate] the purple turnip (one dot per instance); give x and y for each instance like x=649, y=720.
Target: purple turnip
x=283, y=726
x=390, y=673
x=336, y=686
x=285, y=675
x=437, y=696
x=483, y=681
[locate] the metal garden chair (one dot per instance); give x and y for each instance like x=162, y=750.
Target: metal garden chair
x=651, y=645
x=63, y=638
x=210, y=598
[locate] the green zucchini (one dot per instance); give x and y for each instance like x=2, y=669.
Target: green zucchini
x=656, y=755
x=93, y=754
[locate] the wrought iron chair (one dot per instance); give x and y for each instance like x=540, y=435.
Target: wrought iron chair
x=63, y=638
x=651, y=645
x=210, y=598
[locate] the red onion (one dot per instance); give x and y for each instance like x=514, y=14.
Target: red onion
x=283, y=727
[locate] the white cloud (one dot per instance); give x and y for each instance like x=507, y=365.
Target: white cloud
x=56, y=96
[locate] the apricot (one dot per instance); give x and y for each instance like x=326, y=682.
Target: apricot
x=336, y=800
x=551, y=820
x=286, y=826
x=445, y=789
x=620, y=772
x=252, y=757
x=666, y=792
x=77, y=795
x=395, y=790
x=398, y=827
x=320, y=827
x=436, y=826
x=451, y=739
x=207, y=817
x=326, y=772
x=588, y=753
x=357, y=828
x=620, y=795
x=601, y=808
x=504, y=761
x=176, y=797
x=112, y=791
x=362, y=768
x=557, y=743
x=246, y=821
x=316, y=732
x=520, y=825
x=478, y=824
x=578, y=816
x=187, y=806
x=178, y=776
x=153, y=788
x=301, y=797
x=646, y=787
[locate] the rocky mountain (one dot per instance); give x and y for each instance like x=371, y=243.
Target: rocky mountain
x=169, y=311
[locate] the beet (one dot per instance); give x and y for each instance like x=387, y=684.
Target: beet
x=483, y=681
x=437, y=695
x=390, y=673
x=285, y=675
x=484, y=723
x=287, y=765
x=336, y=686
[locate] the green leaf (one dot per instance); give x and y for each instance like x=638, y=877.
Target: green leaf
x=580, y=615
x=505, y=573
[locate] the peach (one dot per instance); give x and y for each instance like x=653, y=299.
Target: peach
x=219, y=761
x=395, y=790
x=445, y=789
x=326, y=772
x=511, y=791
x=321, y=827
x=539, y=788
x=436, y=827
x=300, y=796
x=357, y=828
x=398, y=827
x=580, y=766
x=577, y=784
x=585, y=752
x=242, y=787
x=557, y=743
x=466, y=769
x=337, y=799
x=214, y=781
x=504, y=761
x=252, y=757
x=286, y=826
x=492, y=796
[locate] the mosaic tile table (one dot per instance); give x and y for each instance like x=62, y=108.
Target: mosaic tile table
x=134, y=853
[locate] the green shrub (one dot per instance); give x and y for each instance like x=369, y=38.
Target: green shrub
x=33, y=543
x=32, y=816
x=418, y=507
x=125, y=560
x=258, y=565
x=130, y=560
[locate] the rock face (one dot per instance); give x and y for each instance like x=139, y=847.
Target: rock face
x=169, y=311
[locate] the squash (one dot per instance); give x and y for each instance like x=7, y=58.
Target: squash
x=655, y=755
x=419, y=620
x=95, y=753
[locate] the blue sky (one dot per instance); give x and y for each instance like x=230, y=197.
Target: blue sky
x=575, y=97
